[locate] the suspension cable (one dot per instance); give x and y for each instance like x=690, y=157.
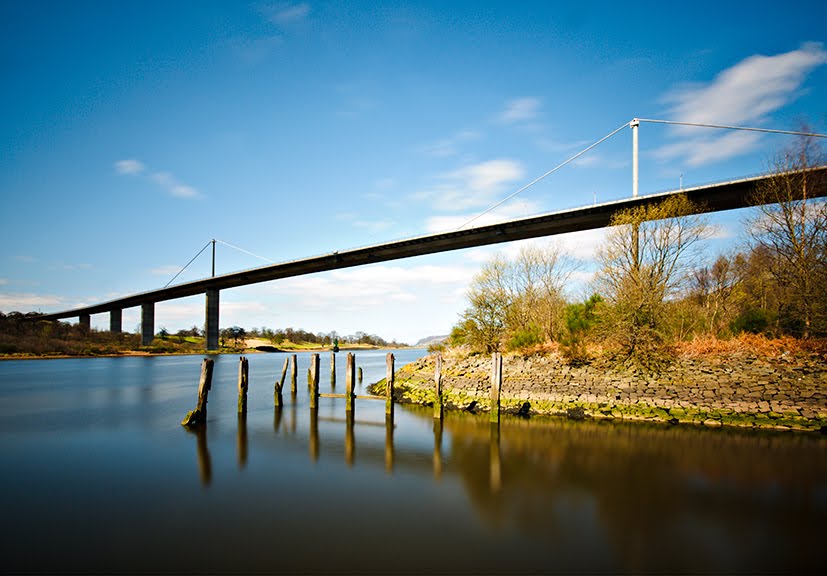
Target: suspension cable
x=550, y=172
x=188, y=263
x=245, y=251
x=746, y=128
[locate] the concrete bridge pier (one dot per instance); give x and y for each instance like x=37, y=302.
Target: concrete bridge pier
x=211, y=324
x=116, y=321
x=85, y=322
x=147, y=323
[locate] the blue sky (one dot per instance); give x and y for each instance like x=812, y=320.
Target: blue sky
x=135, y=132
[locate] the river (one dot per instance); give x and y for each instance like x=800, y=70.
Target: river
x=99, y=476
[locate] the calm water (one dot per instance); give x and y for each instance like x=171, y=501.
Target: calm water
x=99, y=476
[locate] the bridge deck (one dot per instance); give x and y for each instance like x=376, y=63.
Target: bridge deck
x=714, y=198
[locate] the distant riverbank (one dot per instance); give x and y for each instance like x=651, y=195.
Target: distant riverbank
x=747, y=390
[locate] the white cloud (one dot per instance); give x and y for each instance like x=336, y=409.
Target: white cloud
x=510, y=211
x=163, y=179
x=745, y=94
x=520, y=110
x=472, y=186
x=451, y=146
x=130, y=166
x=27, y=302
x=166, y=270
x=286, y=13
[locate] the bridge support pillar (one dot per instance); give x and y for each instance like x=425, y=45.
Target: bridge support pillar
x=116, y=321
x=85, y=322
x=211, y=324
x=147, y=323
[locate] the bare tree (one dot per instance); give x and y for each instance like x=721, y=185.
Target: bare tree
x=645, y=259
x=791, y=225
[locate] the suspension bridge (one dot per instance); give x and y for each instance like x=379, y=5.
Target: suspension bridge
x=716, y=197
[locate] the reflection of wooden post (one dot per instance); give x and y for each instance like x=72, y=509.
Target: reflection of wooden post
x=496, y=384
x=294, y=373
x=350, y=441
x=314, y=380
x=438, y=448
x=494, y=461
x=389, y=445
x=243, y=384
x=277, y=414
x=204, y=463
x=314, y=434
x=280, y=384
x=350, y=376
x=360, y=374
x=242, y=440
x=438, y=387
x=333, y=369
x=199, y=415
x=389, y=360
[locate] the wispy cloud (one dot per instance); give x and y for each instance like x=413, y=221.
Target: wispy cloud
x=285, y=13
x=164, y=180
x=520, y=110
x=451, y=146
x=510, y=211
x=472, y=186
x=166, y=270
x=27, y=302
x=130, y=166
x=747, y=93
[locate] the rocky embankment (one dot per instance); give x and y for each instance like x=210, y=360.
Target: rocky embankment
x=781, y=393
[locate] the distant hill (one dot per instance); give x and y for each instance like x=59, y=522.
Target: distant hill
x=428, y=340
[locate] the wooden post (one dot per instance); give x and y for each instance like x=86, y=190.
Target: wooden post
x=243, y=384
x=350, y=376
x=360, y=374
x=314, y=380
x=280, y=384
x=310, y=376
x=199, y=415
x=294, y=373
x=332, y=369
x=389, y=361
x=496, y=384
x=438, y=387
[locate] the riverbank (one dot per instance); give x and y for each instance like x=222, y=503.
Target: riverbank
x=745, y=389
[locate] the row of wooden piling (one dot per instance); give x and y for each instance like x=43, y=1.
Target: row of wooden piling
x=200, y=413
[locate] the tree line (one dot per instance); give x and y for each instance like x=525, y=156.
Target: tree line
x=655, y=286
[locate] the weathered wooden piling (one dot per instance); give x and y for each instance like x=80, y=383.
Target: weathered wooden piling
x=496, y=385
x=280, y=384
x=332, y=369
x=389, y=362
x=314, y=380
x=438, y=387
x=350, y=376
x=199, y=415
x=294, y=373
x=243, y=384
x=309, y=377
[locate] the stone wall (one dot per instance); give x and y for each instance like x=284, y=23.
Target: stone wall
x=781, y=393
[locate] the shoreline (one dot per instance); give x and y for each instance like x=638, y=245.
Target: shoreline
x=736, y=391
